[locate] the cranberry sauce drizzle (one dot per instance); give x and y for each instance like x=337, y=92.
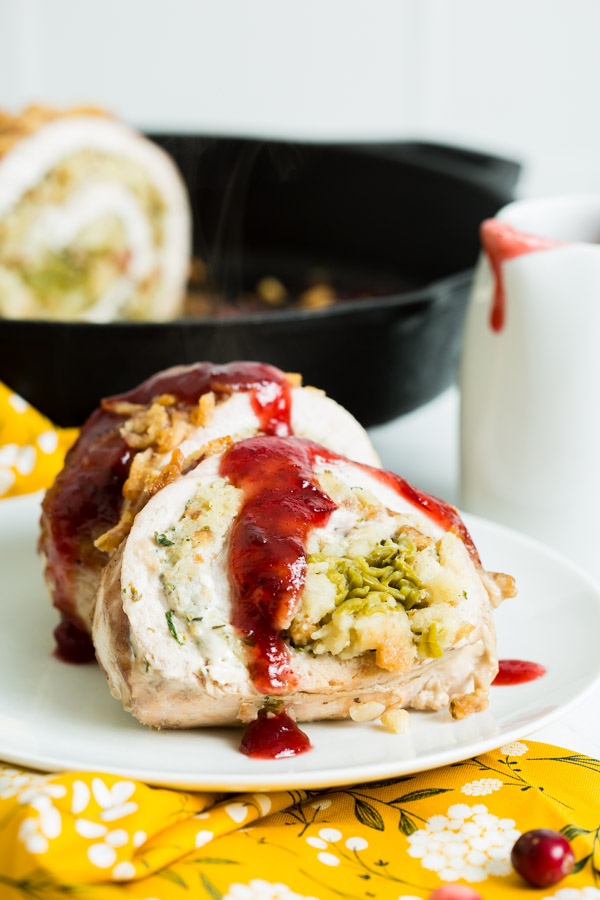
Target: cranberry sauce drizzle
x=438, y=511
x=72, y=644
x=517, y=671
x=271, y=396
x=501, y=242
x=274, y=736
x=267, y=562
x=86, y=498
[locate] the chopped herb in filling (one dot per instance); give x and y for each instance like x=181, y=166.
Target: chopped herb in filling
x=172, y=629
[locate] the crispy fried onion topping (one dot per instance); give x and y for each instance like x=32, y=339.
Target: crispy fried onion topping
x=146, y=477
x=154, y=430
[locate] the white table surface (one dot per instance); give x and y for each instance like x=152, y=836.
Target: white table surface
x=423, y=447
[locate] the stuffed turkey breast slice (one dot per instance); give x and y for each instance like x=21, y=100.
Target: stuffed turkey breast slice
x=133, y=442
x=280, y=571
x=94, y=220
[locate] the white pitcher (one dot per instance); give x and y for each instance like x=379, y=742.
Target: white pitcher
x=530, y=376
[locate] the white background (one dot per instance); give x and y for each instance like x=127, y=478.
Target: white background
x=521, y=77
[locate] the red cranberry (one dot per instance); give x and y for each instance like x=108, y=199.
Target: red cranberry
x=542, y=857
x=455, y=892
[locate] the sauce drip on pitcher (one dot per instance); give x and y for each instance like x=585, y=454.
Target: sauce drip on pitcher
x=501, y=242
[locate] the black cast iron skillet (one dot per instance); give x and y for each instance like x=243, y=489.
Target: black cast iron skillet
x=404, y=214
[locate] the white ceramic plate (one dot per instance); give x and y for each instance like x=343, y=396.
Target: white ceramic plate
x=55, y=716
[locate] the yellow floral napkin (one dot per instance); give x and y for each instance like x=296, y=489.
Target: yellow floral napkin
x=98, y=836
x=32, y=450
x=89, y=835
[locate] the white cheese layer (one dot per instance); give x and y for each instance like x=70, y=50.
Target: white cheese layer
x=313, y=415
x=183, y=648
x=392, y=499
x=318, y=417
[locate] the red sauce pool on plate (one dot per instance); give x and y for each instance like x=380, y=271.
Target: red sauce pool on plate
x=274, y=737
x=72, y=644
x=518, y=671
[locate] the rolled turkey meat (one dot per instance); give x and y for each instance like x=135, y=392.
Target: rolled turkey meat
x=278, y=573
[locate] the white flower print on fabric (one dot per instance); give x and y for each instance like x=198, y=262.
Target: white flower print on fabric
x=263, y=802
x=18, y=404
x=321, y=804
x=481, y=787
x=13, y=458
x=124, y=871
x=356, y=843
x=408, y=897
x=468, y=842
x=202, y=838
x=32, y=795
x=328, y=859
x=81, y=797
x=257, y=889
x=330, y=834
x=31, y=834
x=586, y=893
x=326, y=836
x=48, y=442
x=237, y=811
x=8, y=454
x=317, y=842
x=114, y=802
x=14, y=781
x=25, y=462
x=517, y=748
x=104, y=854
x=36, y=833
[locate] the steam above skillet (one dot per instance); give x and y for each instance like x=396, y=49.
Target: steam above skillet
x=404, y=215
